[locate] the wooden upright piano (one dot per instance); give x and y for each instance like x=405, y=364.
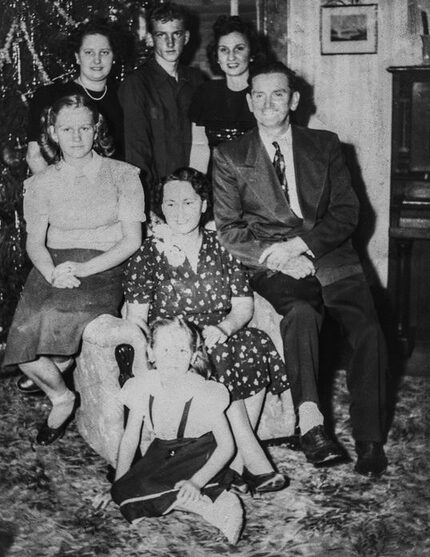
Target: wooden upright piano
x=409, y=233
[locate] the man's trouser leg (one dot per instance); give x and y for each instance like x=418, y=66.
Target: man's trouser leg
x=350, y=302
x=300, y=328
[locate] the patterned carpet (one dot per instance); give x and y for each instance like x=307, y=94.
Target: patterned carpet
x=47, y=496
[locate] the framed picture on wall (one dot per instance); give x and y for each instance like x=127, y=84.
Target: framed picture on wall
x=351, y=29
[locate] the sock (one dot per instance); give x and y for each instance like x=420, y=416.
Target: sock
x=309, y=416
x=62, y=407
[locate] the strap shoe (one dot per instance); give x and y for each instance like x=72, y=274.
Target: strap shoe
x=265, y=483
x=27, y=386
x=47, y=435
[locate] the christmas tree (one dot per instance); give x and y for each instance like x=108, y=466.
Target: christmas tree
x=33, y=53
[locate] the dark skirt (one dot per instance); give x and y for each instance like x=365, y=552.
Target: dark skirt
x=50, y=321
x=148, y=488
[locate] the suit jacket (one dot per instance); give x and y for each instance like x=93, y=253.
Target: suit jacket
x=251, y=211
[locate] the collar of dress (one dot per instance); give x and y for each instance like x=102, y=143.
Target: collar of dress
x=90, y=170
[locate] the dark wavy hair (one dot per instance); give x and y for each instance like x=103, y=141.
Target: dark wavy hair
x=201, y=364
x=273, y=67
x=103, y=142
x=199, y=182
x=224, y=25
x=121, y=40
x=168, y=11
x=96, y=26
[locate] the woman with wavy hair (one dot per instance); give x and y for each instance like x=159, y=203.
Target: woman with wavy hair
x=219, y=106
x=182, y=270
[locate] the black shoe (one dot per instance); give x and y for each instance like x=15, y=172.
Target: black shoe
x=319, y=449
x=124, y=355
x=47, y=435
x=265, y=483
x=371, y=459
x=235, y=482
x=27, y=386
x=110, y=474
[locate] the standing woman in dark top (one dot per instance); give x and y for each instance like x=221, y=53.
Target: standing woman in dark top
x=220, y=105
x=95, y=45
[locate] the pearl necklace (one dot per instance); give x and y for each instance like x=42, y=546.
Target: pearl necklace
x=89, y=94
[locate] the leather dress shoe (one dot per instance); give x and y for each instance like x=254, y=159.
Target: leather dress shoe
x=27, y=386
x=47, y=435
x=371, y=459
x=319, y=449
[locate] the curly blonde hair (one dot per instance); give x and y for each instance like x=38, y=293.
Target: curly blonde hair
x=103, y=142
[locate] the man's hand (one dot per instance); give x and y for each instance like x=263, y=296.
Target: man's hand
x=297, y=267
x=280, y=252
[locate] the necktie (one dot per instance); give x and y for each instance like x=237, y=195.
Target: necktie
x=279, y=166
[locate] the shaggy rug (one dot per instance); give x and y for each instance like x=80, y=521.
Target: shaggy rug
x=48, y=496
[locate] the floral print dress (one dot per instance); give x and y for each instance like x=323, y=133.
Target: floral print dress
x=160, y=275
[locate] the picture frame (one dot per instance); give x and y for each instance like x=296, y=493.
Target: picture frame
x=349, y=29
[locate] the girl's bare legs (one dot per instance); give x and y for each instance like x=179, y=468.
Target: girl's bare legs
x=45, y=373
x=249, y=450
x=225, y=513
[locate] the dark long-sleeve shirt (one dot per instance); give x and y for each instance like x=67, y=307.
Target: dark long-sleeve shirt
x=156, y=122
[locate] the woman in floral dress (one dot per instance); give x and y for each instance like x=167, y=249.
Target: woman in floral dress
x=183, y=270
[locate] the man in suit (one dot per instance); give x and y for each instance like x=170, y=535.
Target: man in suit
x=285, y=207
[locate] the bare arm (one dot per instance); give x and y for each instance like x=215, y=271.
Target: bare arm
x=200, y=152
x=41, y=259
x=240, y=314
x=129, y=442
x=122, y=250
x=34, y=158
x=221, y=455
x=138, y=314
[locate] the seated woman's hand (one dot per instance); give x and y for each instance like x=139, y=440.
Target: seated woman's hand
x=62, y=277
x=188, y=491
x=213, y=335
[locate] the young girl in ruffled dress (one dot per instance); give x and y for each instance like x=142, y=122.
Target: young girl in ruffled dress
x=184, y=466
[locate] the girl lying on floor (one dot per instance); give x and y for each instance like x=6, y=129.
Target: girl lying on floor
x=184, y=466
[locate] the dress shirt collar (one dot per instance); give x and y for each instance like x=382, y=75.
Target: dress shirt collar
x=285, y=138
x=90, y=170
x=161, y=72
